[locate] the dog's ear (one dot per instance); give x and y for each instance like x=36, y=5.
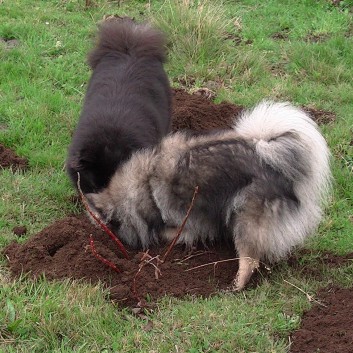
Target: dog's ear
x=74, y=164
x=101, y=204
x=78, y=163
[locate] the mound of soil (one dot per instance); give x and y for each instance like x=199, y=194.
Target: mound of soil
x=195, y=112
x=19, y=230
x=9, y=158
x=190, y=112
x=327, y=328
x=62, y=251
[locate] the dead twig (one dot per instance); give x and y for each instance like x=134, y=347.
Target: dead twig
x=99, y=257
x=309, y=297
x=215, y=263
x=99, y=222
x=172, y=244
x=156, y=261
x=193, y=255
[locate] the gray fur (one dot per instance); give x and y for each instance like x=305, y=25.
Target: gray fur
x=261, y=184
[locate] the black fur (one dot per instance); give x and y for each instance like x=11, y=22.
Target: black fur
x=127, y=105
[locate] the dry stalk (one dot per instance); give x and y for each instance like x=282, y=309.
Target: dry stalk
x=308, y=296
x=101, y=258
x=177, y=236
x=215, y=263
x=99, y=222
x=147, y=259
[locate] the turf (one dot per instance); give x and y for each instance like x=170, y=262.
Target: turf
x=245, y=51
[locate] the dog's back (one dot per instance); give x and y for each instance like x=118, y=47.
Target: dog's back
x=127, y=105
x=264, y=184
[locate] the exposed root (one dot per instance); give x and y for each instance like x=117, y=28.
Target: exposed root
x=146, y=259
x=101, y=258
x=105, y=229
x=98, y=220
x=235, y=286
x=191, y=256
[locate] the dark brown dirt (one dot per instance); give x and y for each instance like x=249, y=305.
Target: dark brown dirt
x=62, y=251
x=281, y=35
x=9, y=158
x=195, y=112
x=327, y=328
x=9, y=43
x=19, y=230
x=321, y=117
x=237, y=39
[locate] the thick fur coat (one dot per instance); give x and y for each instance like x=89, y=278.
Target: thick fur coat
x=127, y=105
x=261, y=184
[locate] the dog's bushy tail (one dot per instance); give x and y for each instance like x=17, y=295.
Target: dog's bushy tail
x=125, y=36
x=288, y=140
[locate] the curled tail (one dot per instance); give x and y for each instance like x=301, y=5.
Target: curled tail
x=125, y=36
x=287, y=139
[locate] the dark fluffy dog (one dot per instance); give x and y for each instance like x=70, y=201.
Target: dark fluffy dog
x=127, y=105
x=261, y=184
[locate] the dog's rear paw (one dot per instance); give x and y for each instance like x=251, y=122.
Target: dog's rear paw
x=247, y=266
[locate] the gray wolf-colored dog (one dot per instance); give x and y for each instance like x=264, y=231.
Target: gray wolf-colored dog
x=261, y=184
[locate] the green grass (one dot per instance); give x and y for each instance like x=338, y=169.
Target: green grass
x=196, y=32
x=229, y=45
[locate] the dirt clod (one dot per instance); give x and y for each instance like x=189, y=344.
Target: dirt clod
x=321, y=116
x=19, y=230
x=9, y=158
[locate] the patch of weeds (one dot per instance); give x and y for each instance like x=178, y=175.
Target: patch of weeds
x=344, y=153
x=196, y=31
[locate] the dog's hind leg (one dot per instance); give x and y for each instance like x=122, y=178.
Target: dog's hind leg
x=249, y=239
x=247, y=266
